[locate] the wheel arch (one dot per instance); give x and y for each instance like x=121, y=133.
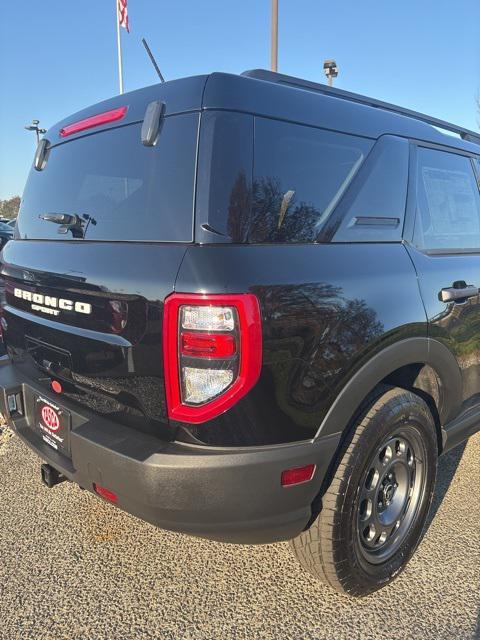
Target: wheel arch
x=413, y=363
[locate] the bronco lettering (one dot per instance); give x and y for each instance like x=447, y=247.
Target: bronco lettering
x=42, y=302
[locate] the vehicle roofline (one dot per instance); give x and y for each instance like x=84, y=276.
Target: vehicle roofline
x=271, y=76
x=272, y=91
x=223, y=89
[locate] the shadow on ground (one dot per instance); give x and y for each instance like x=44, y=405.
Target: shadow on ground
x=74, y=567
x=447, y=468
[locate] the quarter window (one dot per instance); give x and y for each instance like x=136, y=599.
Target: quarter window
x=300, y=174
x=373, y=210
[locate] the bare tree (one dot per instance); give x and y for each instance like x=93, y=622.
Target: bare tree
x=9, y=208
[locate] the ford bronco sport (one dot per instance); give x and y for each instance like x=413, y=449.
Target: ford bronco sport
x=247, y=308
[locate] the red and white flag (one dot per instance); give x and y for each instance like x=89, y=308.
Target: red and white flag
x=122, y=13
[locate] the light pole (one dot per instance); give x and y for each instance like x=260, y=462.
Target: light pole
x=331, y=71
x=274, y=45
x=34, y=127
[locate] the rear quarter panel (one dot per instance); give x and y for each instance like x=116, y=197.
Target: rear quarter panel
x=326, y=310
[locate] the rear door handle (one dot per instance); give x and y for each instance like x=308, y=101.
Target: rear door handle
x=458, y=293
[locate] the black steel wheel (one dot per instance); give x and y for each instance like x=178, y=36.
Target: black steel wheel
x=391, y=490
x=375, y=508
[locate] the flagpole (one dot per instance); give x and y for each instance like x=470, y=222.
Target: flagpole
x=119, y=50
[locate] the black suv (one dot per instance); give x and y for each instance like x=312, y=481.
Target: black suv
x=247, y=308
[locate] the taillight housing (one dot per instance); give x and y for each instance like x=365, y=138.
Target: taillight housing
x=212, y=351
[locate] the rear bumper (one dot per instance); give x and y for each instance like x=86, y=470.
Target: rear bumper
x=226, y=494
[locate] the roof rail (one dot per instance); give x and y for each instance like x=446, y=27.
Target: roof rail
x=279, y=78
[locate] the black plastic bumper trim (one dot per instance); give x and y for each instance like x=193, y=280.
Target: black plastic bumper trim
x=227, y=494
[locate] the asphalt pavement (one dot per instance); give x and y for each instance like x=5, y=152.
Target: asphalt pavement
x=73, y=567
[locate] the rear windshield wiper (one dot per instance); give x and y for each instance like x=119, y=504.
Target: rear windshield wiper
x=60, y=218
x=69, y=222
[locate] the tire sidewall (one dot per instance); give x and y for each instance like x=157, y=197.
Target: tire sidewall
x=389, y=419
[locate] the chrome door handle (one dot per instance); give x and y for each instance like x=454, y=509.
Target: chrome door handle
x=449, y=294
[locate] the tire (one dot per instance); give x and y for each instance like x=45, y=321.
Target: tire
x=385, y=476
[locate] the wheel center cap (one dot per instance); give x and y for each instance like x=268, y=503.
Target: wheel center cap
x=388, y=491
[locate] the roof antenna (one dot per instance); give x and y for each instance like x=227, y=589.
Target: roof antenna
x=150, y=55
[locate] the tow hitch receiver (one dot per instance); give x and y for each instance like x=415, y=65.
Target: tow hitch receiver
x=50, y=476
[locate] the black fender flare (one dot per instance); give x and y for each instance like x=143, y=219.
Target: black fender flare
x=404, y=352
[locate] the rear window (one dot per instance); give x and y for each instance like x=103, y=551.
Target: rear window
x=121, y=189
x=273, y=181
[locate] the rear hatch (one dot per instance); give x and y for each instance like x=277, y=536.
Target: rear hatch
x=101, y=234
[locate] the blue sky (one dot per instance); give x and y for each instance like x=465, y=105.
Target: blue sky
x=58, y=56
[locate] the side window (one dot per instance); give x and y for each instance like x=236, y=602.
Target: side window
x=373, y=210
x=448, y=202
x=300, y=174
x=224, y=180
x=476, y=163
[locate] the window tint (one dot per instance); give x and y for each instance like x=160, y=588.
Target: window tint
x=121, y=189
x=270, y=181
x=224, y=183
x=300, y=173
x=448, y=202
x=374, y=208
x=477, y=169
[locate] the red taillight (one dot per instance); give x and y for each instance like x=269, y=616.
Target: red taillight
x=94, y=121
x=212, y=346
x=207, y=345
x=105, y=493
x=297, y=475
